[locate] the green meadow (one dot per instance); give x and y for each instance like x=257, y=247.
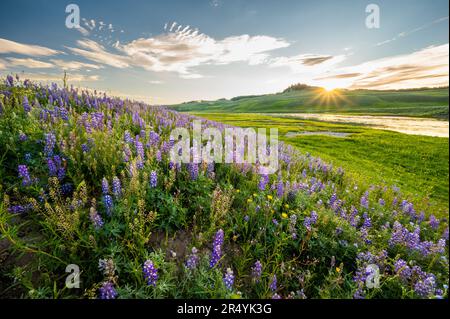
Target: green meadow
x=416, y=164
x=417, y=102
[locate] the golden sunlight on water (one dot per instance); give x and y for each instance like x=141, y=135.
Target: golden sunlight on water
x=407, y=125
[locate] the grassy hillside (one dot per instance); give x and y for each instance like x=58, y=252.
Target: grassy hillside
x=418, y=102
x=417, y=164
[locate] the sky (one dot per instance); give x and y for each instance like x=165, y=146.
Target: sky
x=166, y=52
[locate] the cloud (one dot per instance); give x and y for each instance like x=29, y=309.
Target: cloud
x=7, y=46
x=155, y=82
x=83, y=31
x=181, y=49
x=97, y=53
x=74, y=65
x=424, y=68
x=47, y=77
x=29, y=63
x=307, y=62
x=2, y=65
x=427, y=67
x=407, y=33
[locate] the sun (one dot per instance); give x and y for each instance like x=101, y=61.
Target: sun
x=330, y=87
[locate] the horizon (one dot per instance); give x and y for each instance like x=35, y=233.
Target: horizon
x=180, y=52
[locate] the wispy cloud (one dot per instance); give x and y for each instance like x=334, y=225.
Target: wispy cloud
x=8, y=46
x=29, y=63
x=74, y=65
x=307, y=62
x=181, y=49
x=97, y=53
x=426, y=67
x=50, y=77
x=407, y=33
x=2, y=65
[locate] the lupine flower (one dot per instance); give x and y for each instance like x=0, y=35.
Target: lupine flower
x=193, y=259
x=50, y=141
x=264, y=180
x=217, y=248
x=25, y=175
x=9, y=81
x=425, y=287
x=402, y=269
x=257, y=271
x=107, y=291
x=193, y=170
x=84, y=147
x=116, y=187
x=273, y=283
x=105, y=186
x=27, y=157
x=280, y=189
x=365, y=200
x=150, y=273
x=276, y=296
x=153, y=179
x=228, y=279
x=22, y=137
x=107, y=200
x=96, y=219
x=311, y=220
x=26, y=105
x=434, y=222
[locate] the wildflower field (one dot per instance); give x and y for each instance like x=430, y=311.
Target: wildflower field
x=86, y=181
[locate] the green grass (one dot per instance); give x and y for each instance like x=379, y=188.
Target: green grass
x=416, y=164
x=418, y=102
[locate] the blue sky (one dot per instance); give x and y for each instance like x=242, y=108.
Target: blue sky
x=171, y=51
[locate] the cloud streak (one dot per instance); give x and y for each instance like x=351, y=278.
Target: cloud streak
x=407, y=33
x=8, y=46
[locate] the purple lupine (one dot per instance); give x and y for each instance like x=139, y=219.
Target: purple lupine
x=273, y=283
x=434, y=222
x=153, y=138
x=84, y=148
x=105, y=186
x=425, y=287
x=228, y=279
x=310, y=220
x=107, y=291
x=116, y=187
x=95, y=218
x=150, y=273
x=192, y=259
x=22, y=137
x=27, y=157
x=257, y=271
x=367, y=221
x=402, y=269
x=50, y=141
x=280, y=188
x=365, y=200
x=264, y=180
x=139, y=149
x=25, y=175
x=217, y=248
x=153, y=179
x=9, y=81
x=193, y=170
x=108, y=202
x=26, y=104
x=158, y=156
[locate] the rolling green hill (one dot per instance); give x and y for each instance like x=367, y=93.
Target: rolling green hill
x=416, y=102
